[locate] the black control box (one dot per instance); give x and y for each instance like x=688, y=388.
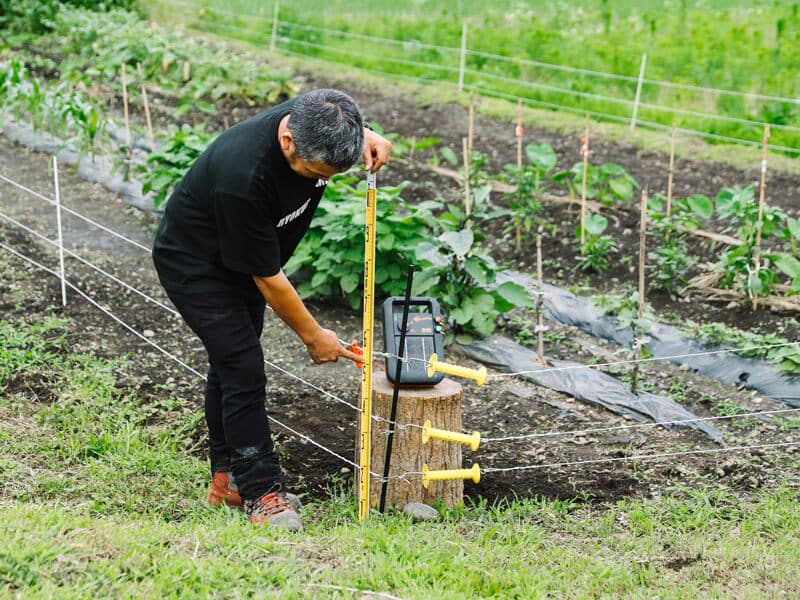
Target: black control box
x=425, y=331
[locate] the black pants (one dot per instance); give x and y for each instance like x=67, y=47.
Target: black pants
x=230, y=325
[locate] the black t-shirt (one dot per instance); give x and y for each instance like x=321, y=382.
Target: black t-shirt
x=239, y=211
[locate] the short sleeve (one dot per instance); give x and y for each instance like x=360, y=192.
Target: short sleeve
x=247, y=238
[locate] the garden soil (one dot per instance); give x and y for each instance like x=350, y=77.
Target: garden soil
x=555, y=466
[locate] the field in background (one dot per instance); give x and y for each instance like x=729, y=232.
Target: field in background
x=581, y=57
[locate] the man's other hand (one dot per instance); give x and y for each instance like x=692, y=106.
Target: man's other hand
x=376, y=150
x=325, y=347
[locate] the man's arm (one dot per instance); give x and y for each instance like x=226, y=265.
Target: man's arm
x=323, y=344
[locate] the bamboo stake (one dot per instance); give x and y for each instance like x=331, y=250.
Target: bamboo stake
x=585, y=153
x=540, y=300
x=467, y=199
x=519, y=132
x=761, y=194
x=471, y=125
x=671, y=168
x=637, y=350
x=146, y=108
x=128, y=149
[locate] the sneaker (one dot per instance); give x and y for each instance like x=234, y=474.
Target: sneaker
x=273, y=509
x=223, y=490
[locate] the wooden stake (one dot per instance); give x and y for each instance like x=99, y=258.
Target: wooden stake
x=128, y=149
x=671, y=167
x=637, y=351
x=519, y=132
x=146, y=108
x=471, y=125
x=761, y=194
x=467, y=199
x=540, y=300
x=585, y=152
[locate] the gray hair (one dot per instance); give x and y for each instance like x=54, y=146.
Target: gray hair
x=327, y=127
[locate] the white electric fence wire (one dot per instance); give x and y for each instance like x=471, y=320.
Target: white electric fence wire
x=315, y=443
x=641, y=360
x=157, y=347
x=637, y=457
x=89, y=264
x=579, y=432
x=405, y=359
x=75, y=213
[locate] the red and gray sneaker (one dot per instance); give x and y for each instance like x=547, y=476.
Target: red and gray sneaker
x=223, y=490
x=274, y=509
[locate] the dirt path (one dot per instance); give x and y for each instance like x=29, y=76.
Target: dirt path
x=509, y=407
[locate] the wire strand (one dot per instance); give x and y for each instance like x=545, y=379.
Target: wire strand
x=577, y=432
x=595, y=461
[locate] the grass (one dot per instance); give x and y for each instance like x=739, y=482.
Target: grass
x=102, y=496
x=688, y=43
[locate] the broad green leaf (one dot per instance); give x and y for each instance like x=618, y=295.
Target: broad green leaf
x=460, y=242
x=787, y=264
x=595, y=224
x=541, y=155
x=700, y=205
x=516, y=295
x=622, y=188
x=349, y=282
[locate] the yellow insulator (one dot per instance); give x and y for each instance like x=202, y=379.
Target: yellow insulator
x=427, y=476
x=479, y=375
x=472, y=440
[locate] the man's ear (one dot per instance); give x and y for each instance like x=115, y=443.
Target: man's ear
x=286, y=140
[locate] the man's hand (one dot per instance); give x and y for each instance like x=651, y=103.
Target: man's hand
x=325, y=347
x=376, y=150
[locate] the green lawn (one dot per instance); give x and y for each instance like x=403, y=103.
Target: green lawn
x=100, y=498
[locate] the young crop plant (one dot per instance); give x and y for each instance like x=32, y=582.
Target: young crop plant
x=670, y=260
x=738, y=206
x=461, y=275
x=167, y=165
x=597, y=248
x=524, y=202
x=608, y=183
x=329, y=262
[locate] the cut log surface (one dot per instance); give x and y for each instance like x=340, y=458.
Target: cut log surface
x=441, y=404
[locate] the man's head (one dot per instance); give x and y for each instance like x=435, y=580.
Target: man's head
x=326, y=129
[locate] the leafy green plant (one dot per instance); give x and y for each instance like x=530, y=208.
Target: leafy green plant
x=625, y=310
x=461, y=275
x=167, y=165
x=524, y=202
x=329, y=262
x=670, y=259
x=738, y=206
x=608, y=183
x=597, y=248
x=783, y=353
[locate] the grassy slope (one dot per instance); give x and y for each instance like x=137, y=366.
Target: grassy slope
x=101, y=498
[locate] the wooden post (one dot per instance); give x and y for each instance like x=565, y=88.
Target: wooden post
x=467, y=192
x=471, y=124
x=519, y=170
x=637, y=351
x=585, y=152
x=669, y=175
x=146, y=108
x=761, y=195
x=128, y=149
x=441, y=404
x=540, y=300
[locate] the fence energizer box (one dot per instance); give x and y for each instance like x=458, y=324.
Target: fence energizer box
x=424, y=336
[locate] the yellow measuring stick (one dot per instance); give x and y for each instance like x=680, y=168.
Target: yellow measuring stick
x=427, y=476
x=366, y=372
x=479, y=375
x=431, y=433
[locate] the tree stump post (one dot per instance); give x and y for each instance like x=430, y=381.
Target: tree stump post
x=441, y=404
